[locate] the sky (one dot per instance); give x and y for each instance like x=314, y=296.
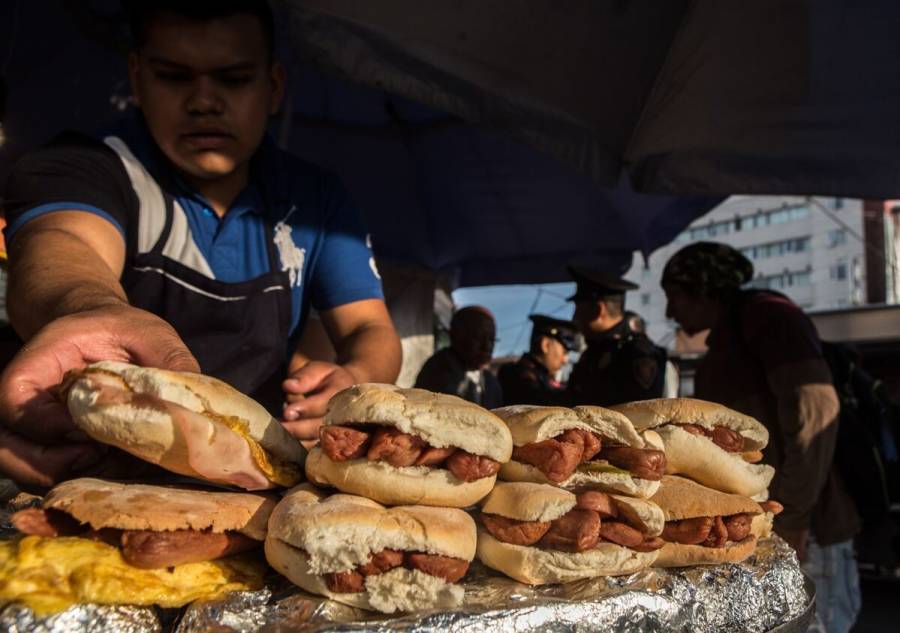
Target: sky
x=511, y=306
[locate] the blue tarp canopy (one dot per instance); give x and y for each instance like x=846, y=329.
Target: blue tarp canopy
x=496, y=140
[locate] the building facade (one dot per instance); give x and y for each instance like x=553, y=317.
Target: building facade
x=811, y=249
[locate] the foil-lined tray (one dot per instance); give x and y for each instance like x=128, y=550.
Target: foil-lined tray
x=766, y=592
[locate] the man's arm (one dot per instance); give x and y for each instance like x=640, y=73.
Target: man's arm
x=65, y=300
x=368, y=350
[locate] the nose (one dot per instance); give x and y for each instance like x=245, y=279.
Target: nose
x=204, y=97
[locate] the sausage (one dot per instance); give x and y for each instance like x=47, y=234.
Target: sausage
x=620, y=534
x=589, y=442
x=380, y=562
x=432, y=456
x=718, y=535
x=650, y=544
x=469, y=467
x=46, y=522
x=644, y=463
x=752, y=457
x=599, y=502
x=772, y=506
x=557, y=460
x=397, y=448
x=694, y=429
x=341, y=443
x=514, y=532
x=688, y=531
x=350, y=581
x=146, y=549
x=446, y=567
x=575, y=531
x=737, y=526
x=727, y=439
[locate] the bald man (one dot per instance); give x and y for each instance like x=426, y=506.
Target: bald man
x=461, y=369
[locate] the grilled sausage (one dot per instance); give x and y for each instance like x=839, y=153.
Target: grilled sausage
x=397, y=448
x=728, y=439
x=650, y=544
x=46, y=522
x=341, y=443
x=688, y=531
x=446, y=567
x=620, y=534
x=514, y=532
x=557, y=460
x=599, y=502
x=575, y=531
x=350, y=581
x=469, y=467
x=146, y=549
x=432, y=456
x=590, y=443
x=694, y=429
x=380, y=562
x=645, y=463
x=718, y=535
x=737, y=526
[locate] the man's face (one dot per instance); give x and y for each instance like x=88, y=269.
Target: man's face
x=475, y=342
x=206, y=90
x=693, y=312
x=586, y=316
x=555, y=355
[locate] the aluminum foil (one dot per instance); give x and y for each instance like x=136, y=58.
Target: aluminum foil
x=764, y=593
x=84, y=617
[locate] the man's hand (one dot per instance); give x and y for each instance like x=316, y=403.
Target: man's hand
x=308, y=391
x=796, y=538
x=30, y=407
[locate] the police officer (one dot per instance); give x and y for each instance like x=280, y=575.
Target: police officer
x=620, y=364
x=530, y=380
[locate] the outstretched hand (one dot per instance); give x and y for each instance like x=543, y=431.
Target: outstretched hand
x=307, y=392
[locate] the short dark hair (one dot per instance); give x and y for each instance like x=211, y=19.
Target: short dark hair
x=141, y=12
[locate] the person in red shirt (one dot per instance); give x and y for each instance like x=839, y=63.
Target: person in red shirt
x=765, y=359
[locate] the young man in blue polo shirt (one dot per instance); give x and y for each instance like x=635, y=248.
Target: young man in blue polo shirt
x=186, y=240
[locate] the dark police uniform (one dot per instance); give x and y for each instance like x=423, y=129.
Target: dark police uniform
x=620, y=364
x=528, y=381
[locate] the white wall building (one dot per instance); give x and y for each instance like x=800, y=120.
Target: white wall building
x=811, y=249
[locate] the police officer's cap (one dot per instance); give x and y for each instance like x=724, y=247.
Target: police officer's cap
x=563, y=331
x=597, y=284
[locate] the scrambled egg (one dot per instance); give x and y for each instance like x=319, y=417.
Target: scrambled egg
x=281, y=472
x=51, y=574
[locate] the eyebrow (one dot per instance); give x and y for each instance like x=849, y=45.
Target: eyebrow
x=236, y=67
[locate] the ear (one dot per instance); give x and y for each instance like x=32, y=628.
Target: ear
x=546, y=344
x=134, y=73
x=277, y=77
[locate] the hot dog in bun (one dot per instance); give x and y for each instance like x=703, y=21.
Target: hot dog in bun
x=187, y=423
x=358, y=552
x=582, y=447
x=114, y=543
x=537, y=533
x=706, y=442
x=408, y=446
x=704, y=526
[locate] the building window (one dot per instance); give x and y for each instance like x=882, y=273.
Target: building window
x=777, y=249
x=837, y=237
x=838, y=203
x=645, y=299
x=838, y=272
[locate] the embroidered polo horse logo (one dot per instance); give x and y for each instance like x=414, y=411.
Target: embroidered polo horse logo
x=291, y=256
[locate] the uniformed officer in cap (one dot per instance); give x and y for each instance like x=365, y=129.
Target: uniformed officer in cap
x=531, y=379
x=620, y=363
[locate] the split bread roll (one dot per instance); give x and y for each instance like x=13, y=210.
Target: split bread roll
x=516, y=534
x=408, y=446
x=105, y=542
x=693, y=514
x=537, y=433
x=187, y=423
x=356, y=551
x=694, y=433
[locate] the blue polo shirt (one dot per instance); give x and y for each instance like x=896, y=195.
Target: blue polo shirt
x=322, y=238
